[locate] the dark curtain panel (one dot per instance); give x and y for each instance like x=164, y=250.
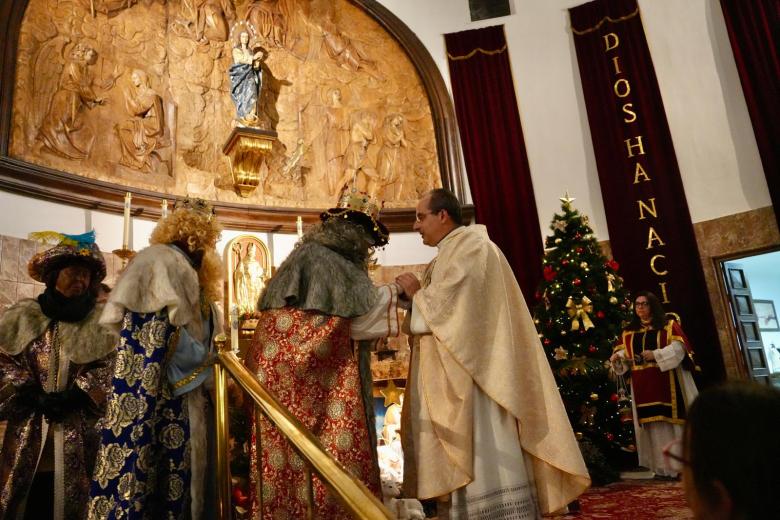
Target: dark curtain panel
x=650, y=228
x=494, y=149
x=754, y=31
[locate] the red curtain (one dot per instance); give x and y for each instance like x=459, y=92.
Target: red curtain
x=649, y=224
x=754, y=31
x=494, y=149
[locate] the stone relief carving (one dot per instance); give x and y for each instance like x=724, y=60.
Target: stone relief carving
x=345, y=101
x=60, y=127
x=142, y=136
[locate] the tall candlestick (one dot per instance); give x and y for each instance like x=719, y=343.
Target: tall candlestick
x=234, y=328
x=164, y=208
x=126, y=231
x=299, y=225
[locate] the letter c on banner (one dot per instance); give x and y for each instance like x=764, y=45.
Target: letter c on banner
x=654, y=269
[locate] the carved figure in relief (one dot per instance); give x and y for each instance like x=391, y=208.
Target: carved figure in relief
x=248, y=280
x=246, y=80
x=206, y=20
x=336, y=139
x=63, y=119
x=143, y=133
x=270, y=20
x=357, y=173
x=390, y=161
x=292, y=166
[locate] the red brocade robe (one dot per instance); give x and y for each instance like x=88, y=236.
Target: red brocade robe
x=657, y=395
x=309, y=361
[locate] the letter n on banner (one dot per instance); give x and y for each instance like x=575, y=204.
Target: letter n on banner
x=650, y=228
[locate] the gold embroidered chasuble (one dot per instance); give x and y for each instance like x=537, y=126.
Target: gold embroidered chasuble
x=482, y=337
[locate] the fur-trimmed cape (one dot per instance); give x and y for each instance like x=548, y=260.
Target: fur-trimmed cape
x=317, y=278
x=82, y=342
x=159, y=277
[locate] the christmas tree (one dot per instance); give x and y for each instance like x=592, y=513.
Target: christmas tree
x=581, y=309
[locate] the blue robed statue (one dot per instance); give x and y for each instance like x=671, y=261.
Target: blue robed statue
x=246, y=80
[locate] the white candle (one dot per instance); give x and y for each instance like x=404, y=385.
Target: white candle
x=299, y=225
x=126, y=231
x=234, y=328
x=164, y=208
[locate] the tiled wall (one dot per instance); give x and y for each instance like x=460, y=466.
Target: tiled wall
x=16, y=284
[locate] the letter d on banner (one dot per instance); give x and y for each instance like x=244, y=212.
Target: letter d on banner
x=611, y=37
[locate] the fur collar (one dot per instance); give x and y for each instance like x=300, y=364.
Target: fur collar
x=316, y=278
x=159, y=277
x=82, y=342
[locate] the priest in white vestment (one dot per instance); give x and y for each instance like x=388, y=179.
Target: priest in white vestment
x=484, y=429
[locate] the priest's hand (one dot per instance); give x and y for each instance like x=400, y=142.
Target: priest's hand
x=409, y=283
x=648, y=355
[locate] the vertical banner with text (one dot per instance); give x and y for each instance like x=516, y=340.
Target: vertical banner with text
x=650, y=229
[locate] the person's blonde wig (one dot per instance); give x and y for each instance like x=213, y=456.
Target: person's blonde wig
x=199, y=231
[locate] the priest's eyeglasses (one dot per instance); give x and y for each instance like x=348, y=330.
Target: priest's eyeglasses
x=419, y=217
x=673, y=456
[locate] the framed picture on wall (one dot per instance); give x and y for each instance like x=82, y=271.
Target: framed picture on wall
x=766, y=314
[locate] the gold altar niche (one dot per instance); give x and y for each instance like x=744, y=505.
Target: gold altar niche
x=247, y=268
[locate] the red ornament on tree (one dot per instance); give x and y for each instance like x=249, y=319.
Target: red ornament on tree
x=610, y=437
x=600, y=314
x=546, y=341
x=549, y=273
x=564, y=262
x=613, y=398
x=613, y=265
x=592, y=349
x=576, y=281
x=579, y=250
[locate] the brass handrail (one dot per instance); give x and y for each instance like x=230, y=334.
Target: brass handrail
x=351, y=493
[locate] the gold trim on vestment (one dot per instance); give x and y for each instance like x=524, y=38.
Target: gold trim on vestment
x=605, y=19
x=472, y=53
x=657, y=418
x=187, y=380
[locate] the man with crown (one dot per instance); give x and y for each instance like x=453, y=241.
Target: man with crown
x=154, y=456
x=55, y=374
x=317, y=303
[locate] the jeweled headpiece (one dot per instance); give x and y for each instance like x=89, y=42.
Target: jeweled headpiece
x=68, y=249
x=196, y=205
x=362, y=209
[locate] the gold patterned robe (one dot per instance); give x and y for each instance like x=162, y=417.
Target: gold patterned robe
x=58, y=356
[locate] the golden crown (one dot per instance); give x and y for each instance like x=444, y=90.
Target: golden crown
x=197, y=205
x=360, y=201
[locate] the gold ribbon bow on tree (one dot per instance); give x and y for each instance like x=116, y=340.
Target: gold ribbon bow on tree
x=579, y=312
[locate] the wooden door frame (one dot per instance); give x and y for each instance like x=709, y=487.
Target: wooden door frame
x=723, y=300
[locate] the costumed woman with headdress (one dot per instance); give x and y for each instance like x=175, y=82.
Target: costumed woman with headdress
x=154, y=456
x=317, y=303
x=54, y=378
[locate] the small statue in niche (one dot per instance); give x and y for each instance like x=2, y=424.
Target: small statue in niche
x=248, y=280
x=246, y=80
x=63, y=118
x=142, y=134
x=391, y=160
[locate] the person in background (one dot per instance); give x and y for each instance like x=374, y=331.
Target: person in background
x=484, y=429
x=731, y=452
x=55, y=374
x=661, y=361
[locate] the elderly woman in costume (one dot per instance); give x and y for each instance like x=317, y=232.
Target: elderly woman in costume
x=154, y=452
x=246, y=80
x=319, y=300
x=661, y=362
x=54, y=377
